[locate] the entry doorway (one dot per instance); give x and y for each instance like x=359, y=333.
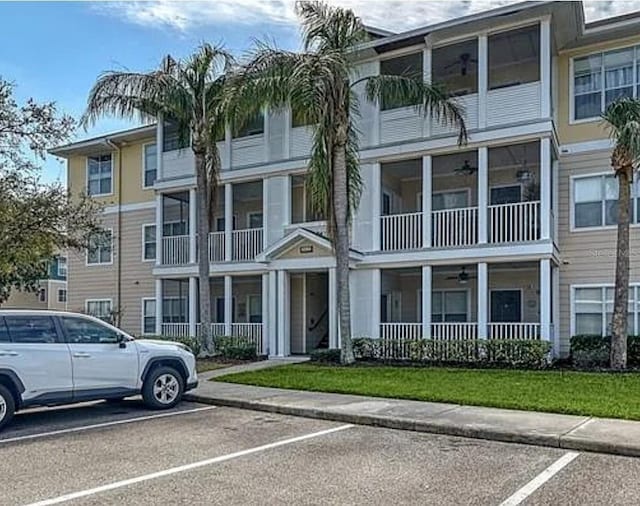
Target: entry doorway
x=309, y=311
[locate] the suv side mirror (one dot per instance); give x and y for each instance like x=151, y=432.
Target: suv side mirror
x=122, y=341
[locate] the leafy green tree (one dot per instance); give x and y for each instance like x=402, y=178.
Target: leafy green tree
x=189, y=93
x=319, y=84
x=622, y=120
x=37, y=219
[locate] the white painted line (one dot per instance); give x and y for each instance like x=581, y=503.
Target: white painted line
x=540, y=480
x=104, y=424
x=182, y=469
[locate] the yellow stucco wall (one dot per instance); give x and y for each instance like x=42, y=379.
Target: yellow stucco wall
x=132, y=162
x=588, y=130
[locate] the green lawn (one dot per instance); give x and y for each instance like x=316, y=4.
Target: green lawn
x=594, y=394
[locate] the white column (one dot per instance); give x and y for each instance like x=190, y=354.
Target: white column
x=287, y=132
x=228, y=304
x=334, y=338
x=272, y=317
x=266, y=316
x=426, y=301
x=555, y=180
x=159, y=146
x=483, y=193
x=159, y=201
x=265, y=212
x=545, y=298
x=426, y=75
x=545, y=68
x=284, y=342
x=228, y=221
x=483, y=79
x=483, y=295
x=158, y=306
x=545, y=188
x=426, y=201
x=376, y=295
x=376, y=203
x=192, y=225
x=555, y=308
x=265, y=136
x=228, y=142
x=375, y=131
x=193, y=305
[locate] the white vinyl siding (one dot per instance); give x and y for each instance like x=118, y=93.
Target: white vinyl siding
x=99, y=175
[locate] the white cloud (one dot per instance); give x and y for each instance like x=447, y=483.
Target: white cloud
x=396, y=15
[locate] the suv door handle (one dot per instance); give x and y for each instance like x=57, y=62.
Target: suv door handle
x=81, y=355
x=4, y=353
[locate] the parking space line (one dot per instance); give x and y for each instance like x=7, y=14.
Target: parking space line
x=104, y=424
x=520, y=495
x=186, y=467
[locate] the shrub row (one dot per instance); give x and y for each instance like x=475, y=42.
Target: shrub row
x=514, y=353
x=589, y=351
x=227, y=347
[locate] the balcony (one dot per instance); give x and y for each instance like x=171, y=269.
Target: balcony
x=401, y=231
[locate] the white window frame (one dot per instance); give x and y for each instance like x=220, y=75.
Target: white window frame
x=144, y=227
x=507, y=289
x=143, y=315
x=254, y=213
x=98, y=264
x=636, y=61
x=66, y=294
x=504, y=185
x=603, y=287
x=467, y=292
x=173, y=298
x=87, y=176
x=144, y=164
x=42, y=294
x=89, y=301
x=66, y=266
x=466, y=189
x=248, y=302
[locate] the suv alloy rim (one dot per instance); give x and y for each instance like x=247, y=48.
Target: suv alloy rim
x=3, y=408
x=165, y=388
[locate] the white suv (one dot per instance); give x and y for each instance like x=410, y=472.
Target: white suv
x=51, y=357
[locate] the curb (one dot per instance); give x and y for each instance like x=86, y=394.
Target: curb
x=428, y=426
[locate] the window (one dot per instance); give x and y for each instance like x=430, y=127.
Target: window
x=62, y=295
x=82, y=331
x=62, y=267
x=506, y=194
x=220, y=223
x=31, y=329
x=4, y=333
x=150, y=165
x=506, y=306
x=450, y=200
x=100, y=309
x=148, y=316
x=449, y=306
x=409, y=66
x=253, y=126
x=254, y=220
x=99, y=175
x=148, y=242
x=99, y=250
x=174, y=310
x=455, y=67
x=254, y=303
x=595, y=201
x=593, y=310
x=42, y=295
x=172, y=139
x=174, y=228
x=601, y=78
x=514, y=57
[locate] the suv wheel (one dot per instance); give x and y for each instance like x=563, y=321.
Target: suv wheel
x=7, y=406
x=163, y=388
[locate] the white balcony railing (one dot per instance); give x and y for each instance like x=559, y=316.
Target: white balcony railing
x=250, y=331
x=175, y=250
x=455, y=227
x=401, y=231
x=513, y=331
x=246, y=244
x=217, y=329
x=519, y=222
x=175, y=329
x=454, y=331
x=401, y=330
x=216, y=247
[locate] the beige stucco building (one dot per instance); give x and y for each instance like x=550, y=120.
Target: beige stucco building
x=510, y=236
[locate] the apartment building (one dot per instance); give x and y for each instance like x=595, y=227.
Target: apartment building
x=511, y=236
x=51, y=292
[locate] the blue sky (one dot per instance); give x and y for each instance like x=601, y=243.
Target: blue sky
x=55, y=50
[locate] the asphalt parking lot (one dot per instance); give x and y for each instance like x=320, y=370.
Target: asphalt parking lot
x=123, y=454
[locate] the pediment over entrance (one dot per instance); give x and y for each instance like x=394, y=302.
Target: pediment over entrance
x=301, y=243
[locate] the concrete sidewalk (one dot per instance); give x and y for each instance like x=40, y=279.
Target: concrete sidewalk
x=617, y=437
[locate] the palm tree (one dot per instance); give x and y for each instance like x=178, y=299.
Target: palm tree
x=190, y=94
x=622, y=119
x=318, y=85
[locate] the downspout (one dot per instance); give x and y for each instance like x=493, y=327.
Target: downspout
x=117, y=308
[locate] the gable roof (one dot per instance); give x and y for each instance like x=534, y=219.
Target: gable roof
x=296, y=237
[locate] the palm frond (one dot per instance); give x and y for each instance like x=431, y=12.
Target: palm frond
x=327, y=28
x=622, y=120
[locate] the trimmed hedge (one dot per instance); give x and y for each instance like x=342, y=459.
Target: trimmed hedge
x=588, y=351
x=328, y=356
x=514, y=353
x=190, y=342
x=229, y=347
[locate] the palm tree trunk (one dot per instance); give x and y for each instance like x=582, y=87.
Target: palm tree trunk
x=204, y=226
x=341, y=215
x=619, y=320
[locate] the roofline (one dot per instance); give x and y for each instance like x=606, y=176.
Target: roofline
x=104, y=139
x=611, y=23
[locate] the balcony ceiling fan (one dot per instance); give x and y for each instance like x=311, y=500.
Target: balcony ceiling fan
x=466, y=169
x=463, y=61
x=463, y=276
